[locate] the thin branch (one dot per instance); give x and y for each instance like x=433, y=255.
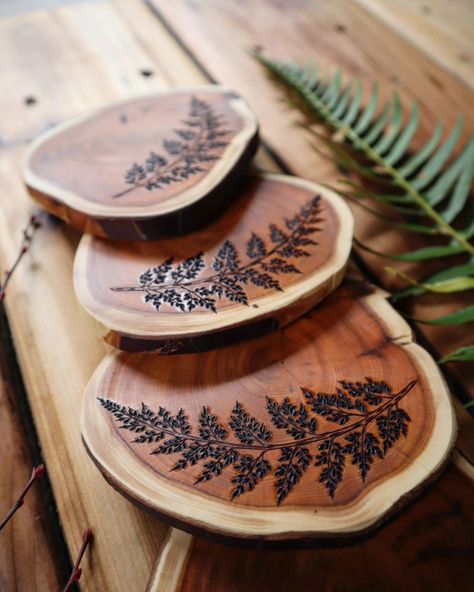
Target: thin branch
x=36, y=473
x=77, y=570
x=28, y=233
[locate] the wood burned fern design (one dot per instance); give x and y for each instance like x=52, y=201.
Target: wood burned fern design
x=361, y=423
x=184, y=287
x=198, y=140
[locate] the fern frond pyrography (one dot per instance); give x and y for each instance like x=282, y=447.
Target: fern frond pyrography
x=360, y=422
x=196, y=146
x=186, y=286
x=429, y=185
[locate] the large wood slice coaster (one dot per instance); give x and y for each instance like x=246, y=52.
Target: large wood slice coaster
x=147, y=167
x=277, y=252
x=319, y=430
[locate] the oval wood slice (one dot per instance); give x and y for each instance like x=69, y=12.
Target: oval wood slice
x=278, y=251
x=147, y=167
x=320, y=430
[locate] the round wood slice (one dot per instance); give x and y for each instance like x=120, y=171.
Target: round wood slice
x=146, y=167
x=280, y=249
x=319, y=430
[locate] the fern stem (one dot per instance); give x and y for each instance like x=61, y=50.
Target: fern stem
x=444, y=226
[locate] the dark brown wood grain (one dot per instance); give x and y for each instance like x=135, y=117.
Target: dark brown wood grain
x=145, y=168
x=420, y=550
x=281, y=415
x=279, y=250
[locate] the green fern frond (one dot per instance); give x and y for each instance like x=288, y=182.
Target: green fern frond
x=440, y=195
x=374, y=142
x=463, y=354
x=453, y=279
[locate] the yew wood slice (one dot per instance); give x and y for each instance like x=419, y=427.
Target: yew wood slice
x=320, y=430
x=280, y=249
x=147, y=167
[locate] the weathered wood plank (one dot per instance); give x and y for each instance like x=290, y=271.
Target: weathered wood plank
x=337, y=34
x=14, y=7
x=441, y=29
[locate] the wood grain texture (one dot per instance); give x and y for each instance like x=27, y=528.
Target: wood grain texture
x=338, y=34
x=246, y=442
x=279, y=250
x=411, y=552
x=171, y=562
x=439, y=28
x=145, y=168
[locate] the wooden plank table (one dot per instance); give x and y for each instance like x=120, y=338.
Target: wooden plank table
x=59, y=62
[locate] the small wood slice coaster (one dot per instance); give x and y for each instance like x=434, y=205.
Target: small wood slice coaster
x=319, y=430
x=277, y=252
x=148, y=167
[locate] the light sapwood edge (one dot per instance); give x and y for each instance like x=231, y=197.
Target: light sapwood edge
x=182, y=221
x=172, y=501
x=171, y=562
x=256, y=326
x=153, y=325
x=463, y=464
x=221, y=168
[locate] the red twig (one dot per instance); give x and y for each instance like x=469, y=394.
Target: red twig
x=28, y=233
x=35, y=475
x=77, y=570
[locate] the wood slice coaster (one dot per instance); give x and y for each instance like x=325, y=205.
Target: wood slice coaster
x=147, y=167
x=277, y=252
x=319, y=430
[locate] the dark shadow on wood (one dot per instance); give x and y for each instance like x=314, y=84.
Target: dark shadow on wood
x=11, y=375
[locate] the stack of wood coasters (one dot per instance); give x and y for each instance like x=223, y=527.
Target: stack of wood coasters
x=277, y=421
